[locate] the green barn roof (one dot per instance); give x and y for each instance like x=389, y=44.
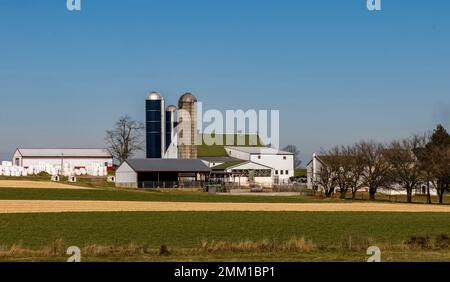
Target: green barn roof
x=227, y=140
x=228, y=165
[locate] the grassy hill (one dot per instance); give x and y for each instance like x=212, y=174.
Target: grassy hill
x=227, y=140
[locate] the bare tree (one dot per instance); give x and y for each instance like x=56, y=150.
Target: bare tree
x=326, y=178
x=376, y=169
x=404, y=164
x=421, y=156
x=427, y=175
x=293, y=149
x=126, y=138
x=356, y=167
x=336, y=171
x=338, y=160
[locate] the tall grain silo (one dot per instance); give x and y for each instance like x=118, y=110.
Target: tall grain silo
x=155, y=126
x=171, y=123
x=187, y=128
x=171, y=145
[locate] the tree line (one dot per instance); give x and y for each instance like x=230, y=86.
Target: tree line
x=410, y=163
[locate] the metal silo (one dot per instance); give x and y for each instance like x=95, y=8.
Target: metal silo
x=171, y=123
x=187, y=127
x=155, y=126
x=171, y=133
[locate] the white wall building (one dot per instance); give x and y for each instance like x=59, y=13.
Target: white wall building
x=66, y=157
x=312, y=170
x=280, y=163
x=246, y=172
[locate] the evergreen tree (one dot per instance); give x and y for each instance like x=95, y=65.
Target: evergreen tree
x=440, y=138
x=437, y=160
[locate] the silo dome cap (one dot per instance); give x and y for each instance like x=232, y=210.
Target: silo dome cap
x=171, y=108
x=154, y=96
x=188, y=97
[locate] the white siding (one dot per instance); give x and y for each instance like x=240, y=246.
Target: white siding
x=312, y=169
x=17, y=159
x=266, y=157
x=262, y=180
x=126, y=176
x=249, y=166
x=72, y=162
x=243, y=181
x=237, y=154
x=211, y=164
x=265, y=181
x=277, y=162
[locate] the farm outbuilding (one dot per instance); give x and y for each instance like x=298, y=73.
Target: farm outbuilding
x=154, y=173
x=24, y=157
x=280, y=163
x=244, y=173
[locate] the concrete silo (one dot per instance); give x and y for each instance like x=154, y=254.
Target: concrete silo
x=187, y=127
x=155, y=126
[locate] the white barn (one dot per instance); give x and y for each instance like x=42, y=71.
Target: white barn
x=280, y=163
x=245, y=173
x=56, y=157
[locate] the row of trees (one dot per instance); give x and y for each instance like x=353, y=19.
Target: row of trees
x=410, y=163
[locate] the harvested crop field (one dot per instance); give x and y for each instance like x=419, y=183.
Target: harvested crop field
x=49, y=206
x=36, y=184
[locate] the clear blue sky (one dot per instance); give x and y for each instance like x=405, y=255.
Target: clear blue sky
x=337, y=72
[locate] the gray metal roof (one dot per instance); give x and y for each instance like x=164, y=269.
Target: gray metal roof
x=167, y=165
x=57, y=153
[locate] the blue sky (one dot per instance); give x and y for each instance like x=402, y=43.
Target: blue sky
x=337, y=72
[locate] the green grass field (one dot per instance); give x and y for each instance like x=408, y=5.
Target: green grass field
x=184, y=232
x=139, y=195
x=188, y=229
x=215, y=236
x=113, y=194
